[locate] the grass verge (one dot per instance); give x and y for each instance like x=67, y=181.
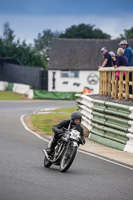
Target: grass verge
x=44, y=122
x=8, y=95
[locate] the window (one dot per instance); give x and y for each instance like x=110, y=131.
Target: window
x=64, y=74
x=69, y=74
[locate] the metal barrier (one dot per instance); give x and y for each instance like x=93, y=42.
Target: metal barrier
x=108, y=123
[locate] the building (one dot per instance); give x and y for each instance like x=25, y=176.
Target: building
x=74, y=63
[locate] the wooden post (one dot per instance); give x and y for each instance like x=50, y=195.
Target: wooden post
x=106, y=84
x=113, y=85
x=109, y=83
x=127, y=85
x=101, y=83
x=100, y=77
x=121, y=85
x=116, y=87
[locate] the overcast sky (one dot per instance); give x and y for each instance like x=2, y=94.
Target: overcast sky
x=29, y=17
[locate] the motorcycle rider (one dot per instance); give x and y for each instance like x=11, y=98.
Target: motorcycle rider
x=74, y=121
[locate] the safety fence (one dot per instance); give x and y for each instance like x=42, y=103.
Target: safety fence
x=36, y=94
x=17, y=88
x=119, y=86
x=108, y=123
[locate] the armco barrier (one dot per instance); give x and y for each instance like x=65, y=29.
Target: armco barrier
x=108, y=123
x=36, y=94
x=3, y=85
x=18, y=88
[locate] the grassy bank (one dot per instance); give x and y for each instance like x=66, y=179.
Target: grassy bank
x=8, y=95
x=44, y=122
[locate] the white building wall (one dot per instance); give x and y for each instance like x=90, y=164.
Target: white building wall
x=86, y=79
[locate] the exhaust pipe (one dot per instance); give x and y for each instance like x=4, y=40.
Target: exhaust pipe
x=47, y=156
x=45, y=153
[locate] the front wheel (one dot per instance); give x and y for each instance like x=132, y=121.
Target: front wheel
x=68, y=158
x=47, y=163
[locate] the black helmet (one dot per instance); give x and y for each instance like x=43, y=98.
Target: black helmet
x=75, y=115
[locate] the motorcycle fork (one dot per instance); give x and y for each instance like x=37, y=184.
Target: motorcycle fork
x=60, y=147
x=67, y=147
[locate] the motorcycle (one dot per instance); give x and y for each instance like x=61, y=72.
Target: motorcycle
x=65, y=150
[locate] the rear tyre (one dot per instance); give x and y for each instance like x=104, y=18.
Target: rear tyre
x=68, y=158
x=47, y=163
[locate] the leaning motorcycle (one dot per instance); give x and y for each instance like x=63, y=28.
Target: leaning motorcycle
x=65, y=150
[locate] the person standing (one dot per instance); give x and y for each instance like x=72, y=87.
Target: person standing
x=107, y=58
x=121, y=59
x=128, y=52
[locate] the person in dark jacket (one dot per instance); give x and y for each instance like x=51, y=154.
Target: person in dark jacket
x=114, y=57
x=107, y=58
x=128, y=52
x=121, y=61
x=74, y=121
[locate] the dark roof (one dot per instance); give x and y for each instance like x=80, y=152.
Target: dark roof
x=10, y=61
x=79, y=54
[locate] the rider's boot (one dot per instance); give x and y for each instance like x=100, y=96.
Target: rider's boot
x=51, y=149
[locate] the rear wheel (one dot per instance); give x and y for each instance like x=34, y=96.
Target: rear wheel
x=68, y=158
x=47, y=163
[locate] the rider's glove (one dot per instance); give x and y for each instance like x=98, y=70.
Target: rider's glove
x=82, y=141
x=60, y=131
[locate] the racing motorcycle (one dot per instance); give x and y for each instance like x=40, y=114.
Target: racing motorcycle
x=65, y=150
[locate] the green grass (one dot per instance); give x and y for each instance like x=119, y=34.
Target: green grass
x=44, y=122
x=8, y=95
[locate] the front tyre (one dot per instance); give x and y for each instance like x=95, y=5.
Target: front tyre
x=47, y=163
x=68, y=158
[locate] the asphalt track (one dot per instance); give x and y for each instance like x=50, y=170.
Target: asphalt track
x=23, y=177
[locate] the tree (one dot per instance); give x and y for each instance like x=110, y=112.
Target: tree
x=84, y=31
x=128, y=34
x=25, y=53
x=29, y=56
x=8, y=33
x=43, y=42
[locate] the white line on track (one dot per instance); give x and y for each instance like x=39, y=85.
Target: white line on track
x=25, y=126
x=84, y=152
x=110, y=161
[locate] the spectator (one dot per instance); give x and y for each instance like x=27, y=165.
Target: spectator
x=107, y=58
x=128, y=52
x=114, y=58
x=121, y=61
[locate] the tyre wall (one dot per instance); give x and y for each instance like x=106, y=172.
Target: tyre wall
x=108, y=123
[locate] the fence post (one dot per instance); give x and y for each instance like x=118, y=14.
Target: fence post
x=113, y=85
x=103, y=82
x=109, y=83
x=106, y=83
x=100, y=83
x=116, y=88
x=121, y=85
x=127, y=85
